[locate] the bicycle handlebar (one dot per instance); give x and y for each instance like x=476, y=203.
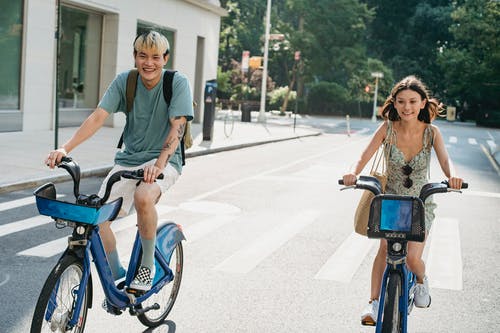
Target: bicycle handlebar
x=373, y=185
x=73, y=169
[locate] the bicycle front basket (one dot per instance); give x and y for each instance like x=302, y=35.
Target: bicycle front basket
x=397, y=217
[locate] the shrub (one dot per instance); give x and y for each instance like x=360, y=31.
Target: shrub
x=277, y=97
x=327, y=97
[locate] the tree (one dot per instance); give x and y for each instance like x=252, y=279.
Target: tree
x=471, y=62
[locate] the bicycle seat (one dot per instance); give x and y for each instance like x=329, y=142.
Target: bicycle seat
x=48, y=205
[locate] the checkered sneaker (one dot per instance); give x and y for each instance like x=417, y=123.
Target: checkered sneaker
x=143, y=280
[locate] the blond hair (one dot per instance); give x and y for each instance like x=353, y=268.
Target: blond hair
x=151, y=40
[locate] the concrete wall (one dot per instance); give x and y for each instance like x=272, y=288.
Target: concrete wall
x=190, y=19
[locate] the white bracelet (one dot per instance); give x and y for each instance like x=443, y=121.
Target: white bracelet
x=62, y=150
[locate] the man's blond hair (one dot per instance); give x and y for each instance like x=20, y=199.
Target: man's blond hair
x=151, y=40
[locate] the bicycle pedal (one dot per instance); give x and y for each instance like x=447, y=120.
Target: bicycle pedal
x=368, y=322
x=135, y=292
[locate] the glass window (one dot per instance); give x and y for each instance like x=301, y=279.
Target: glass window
x=11, y=28
x=143, y=27
x=80, y=56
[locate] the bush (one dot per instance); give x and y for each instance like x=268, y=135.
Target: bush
x=327, y=98
x=277, y=97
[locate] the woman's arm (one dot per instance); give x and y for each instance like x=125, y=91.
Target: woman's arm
x=444, y=160
x=377, y=139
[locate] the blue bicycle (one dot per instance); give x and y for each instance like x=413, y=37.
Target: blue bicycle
x=398, y=219
x=67, y=293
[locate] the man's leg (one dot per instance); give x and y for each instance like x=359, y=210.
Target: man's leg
x=109, y=243
x=145, y=198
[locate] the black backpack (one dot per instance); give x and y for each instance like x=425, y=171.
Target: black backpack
x=168, y=77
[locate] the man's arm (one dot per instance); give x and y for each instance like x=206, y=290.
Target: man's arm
x=85, y=131
x=174, y=137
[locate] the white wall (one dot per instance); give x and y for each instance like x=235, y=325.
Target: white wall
x=186, y=18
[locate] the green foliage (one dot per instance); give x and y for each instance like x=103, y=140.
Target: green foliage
x=277, y=97
x=326, y=97
x=472, y=60
x=224, y=86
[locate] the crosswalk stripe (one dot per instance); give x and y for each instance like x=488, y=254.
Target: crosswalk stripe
x=346, y=260
x=56, y=246
x=204, y=227
x=20, y=202
x=32, y=222
x=472, y=141
x=246, y=259
x=444, y=261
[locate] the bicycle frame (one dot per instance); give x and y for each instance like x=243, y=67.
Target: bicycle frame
x=397, y=264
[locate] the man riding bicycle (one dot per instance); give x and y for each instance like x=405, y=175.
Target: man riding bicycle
x=152, y=135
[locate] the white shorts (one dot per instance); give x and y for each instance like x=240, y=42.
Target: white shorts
x=125, y=188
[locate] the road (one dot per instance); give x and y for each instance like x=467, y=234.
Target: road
x=270, y=245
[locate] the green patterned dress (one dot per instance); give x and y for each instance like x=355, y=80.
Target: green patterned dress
x=420, y=165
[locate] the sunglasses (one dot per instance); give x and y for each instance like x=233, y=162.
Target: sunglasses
x=407, y=170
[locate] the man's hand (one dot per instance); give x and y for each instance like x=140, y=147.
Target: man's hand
x=54, y=157
x=151, y=172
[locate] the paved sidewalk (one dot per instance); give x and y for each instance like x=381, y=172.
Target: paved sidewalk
x=23, y=153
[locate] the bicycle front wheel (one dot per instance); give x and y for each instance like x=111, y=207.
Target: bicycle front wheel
x=166, y=297
x=56, y=302
x=228, y=124
x=391, y=322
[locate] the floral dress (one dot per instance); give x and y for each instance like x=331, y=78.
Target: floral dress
x=420, y=166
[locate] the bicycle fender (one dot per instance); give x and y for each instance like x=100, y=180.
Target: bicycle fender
x=167, y=238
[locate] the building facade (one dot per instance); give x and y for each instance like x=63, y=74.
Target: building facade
x=94, y=44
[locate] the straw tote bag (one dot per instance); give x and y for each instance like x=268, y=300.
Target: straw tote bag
x=379, y=171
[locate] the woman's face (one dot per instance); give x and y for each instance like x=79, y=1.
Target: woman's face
x=408, y=103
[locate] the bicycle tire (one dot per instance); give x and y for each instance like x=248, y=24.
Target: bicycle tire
x=167, y=295
x=228, y=124
x=391, y=321
x=57, y=298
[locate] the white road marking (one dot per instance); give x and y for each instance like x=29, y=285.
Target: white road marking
x=32, y=222
x=20, y=202
x=346, y=260
x=204, y=227
x=453, y=139
x=472, y=141
x=249, y=257
x=7, y=278
x=444, y=261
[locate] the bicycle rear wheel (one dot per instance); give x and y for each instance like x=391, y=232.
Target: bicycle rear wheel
x=55, y=305
x=391, y=322
x=166, y=297
x=228, y=124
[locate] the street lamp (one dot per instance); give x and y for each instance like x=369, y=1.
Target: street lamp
x=262, y=111
x=376, y=75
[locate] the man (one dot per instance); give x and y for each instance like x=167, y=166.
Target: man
x=152, y=136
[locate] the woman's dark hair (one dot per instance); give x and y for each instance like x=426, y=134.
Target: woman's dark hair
x=432, y=107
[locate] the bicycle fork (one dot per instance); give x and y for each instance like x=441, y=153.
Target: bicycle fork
x=397, y=265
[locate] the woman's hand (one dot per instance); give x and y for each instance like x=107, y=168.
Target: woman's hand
x=54, y=157
x=349, y=179
x=455, y=183
x=151, y=172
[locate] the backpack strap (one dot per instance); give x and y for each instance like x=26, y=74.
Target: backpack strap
x=133, y=74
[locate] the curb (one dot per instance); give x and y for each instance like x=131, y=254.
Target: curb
x=103, y=170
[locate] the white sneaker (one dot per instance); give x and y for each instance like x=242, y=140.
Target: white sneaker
x=422, y=297
x=370, y=313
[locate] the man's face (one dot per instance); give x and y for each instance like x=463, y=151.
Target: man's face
x=150, y=64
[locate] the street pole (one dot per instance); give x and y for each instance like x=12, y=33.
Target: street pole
x=58, y=50
x=263, y=91
x=376, y=75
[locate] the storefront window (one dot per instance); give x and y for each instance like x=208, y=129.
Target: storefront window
x=80, y=50
x=144, y=27
x=11, y=28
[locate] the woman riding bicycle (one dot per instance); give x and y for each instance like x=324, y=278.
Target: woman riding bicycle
x=407, y=113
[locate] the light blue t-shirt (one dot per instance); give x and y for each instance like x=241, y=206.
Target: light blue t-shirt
x=148, y=123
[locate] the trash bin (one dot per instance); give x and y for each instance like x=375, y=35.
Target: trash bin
x=451, y=113
x=246, y=112
x=209, y=110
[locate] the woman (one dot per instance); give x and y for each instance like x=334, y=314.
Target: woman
x=408, y=113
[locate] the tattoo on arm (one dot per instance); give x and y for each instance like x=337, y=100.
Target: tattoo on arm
x=180, y=131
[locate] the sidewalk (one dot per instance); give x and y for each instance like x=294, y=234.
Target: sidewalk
x=23, y=153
